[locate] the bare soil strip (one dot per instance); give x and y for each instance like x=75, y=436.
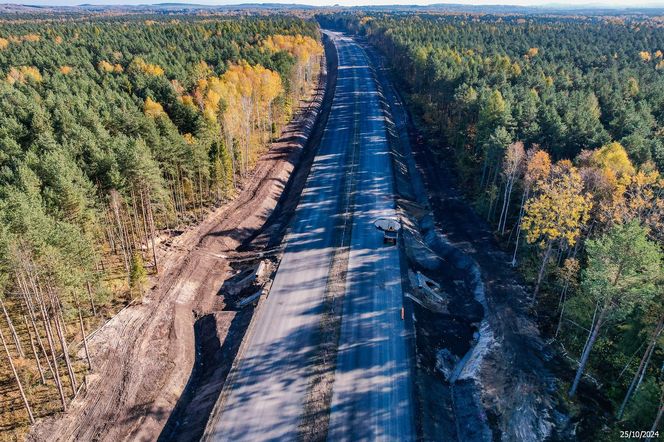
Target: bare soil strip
x=145, y=355
x=218, y=336
x=506, y=393
x=208, y=378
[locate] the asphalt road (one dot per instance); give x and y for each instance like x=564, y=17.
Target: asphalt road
x=372, y=398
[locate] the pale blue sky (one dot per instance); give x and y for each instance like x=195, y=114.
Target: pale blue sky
x=611, y=3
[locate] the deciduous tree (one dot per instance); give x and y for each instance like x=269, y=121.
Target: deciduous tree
x=557, y=213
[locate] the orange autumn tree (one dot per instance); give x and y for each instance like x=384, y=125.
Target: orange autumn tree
x=557, y=213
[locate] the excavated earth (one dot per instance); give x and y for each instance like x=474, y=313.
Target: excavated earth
x=481, y=363
x=158, y=366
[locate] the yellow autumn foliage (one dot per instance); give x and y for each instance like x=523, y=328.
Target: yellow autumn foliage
x=613, y=157
x=241, y=101
x=241, y=86
x=187, y=100
x=637, y=197
x=189, y=138
x=645, y=55
x=105, y=66
x=559, y=208
x=3, y=43
x=152, y=108
x=23, y=74
x=147, y=68
x=300, y=47
x=65, y=70
x=307, y=53
x=31, y=38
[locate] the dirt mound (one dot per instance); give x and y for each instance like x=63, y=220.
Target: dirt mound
x=218, y=338
x=144, y=356
x=482, y=371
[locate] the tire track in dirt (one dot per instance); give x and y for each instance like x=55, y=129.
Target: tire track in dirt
x=144, y=355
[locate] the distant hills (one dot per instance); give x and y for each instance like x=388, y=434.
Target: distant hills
x=558, y=8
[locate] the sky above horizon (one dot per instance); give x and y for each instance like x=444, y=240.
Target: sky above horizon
x=610, y=3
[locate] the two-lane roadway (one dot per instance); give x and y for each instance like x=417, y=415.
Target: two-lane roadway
x=372, y=397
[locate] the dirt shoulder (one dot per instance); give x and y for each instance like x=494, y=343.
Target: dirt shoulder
x=482, y=363
x=143, y=357
x=215, y=358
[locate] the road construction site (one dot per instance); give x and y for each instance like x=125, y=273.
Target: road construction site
x=287, y=314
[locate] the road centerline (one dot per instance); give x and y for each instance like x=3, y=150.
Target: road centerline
x=268, y=394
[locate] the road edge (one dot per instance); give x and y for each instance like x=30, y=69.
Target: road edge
x=312, y=134
x=394, y=143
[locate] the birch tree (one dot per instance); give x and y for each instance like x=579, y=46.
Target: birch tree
x=556, y=214
x=514, y=156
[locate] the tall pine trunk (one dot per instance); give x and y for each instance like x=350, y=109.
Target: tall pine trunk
x=594, y=333
x=18, y=380
x=152, y=233
x=562, y=302
x=23, y=287
x=91, y=298
x=643, y=365
x=57, y=323
x=506, y=202
x=17, y=342
x=49, y=338
x=34, y=351
x=524, y=197
x=85, y=339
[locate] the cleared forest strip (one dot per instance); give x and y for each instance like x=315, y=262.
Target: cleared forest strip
x=148, y=351
x=263, y=245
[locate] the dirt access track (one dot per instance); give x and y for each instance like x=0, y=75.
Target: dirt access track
x=143, y=357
